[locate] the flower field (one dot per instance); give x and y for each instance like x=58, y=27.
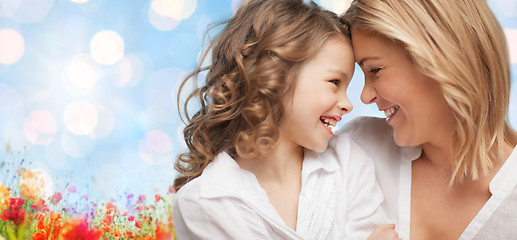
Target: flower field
x=25, y=213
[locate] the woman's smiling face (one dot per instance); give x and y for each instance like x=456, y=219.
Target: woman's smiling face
x=413, y=103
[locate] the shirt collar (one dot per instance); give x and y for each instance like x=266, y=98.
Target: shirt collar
x=224, y=177
x=313, y=161
x=411, y=153
x=505, y=179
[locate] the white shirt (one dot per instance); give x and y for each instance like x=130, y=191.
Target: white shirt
x=339, y=199
x=497, y=219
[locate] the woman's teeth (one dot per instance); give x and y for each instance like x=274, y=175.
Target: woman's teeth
x=390, y=111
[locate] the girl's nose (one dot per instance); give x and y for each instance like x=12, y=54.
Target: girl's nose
x=345, y=105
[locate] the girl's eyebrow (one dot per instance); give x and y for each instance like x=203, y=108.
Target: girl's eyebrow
x=361, y=62
x=339, y=72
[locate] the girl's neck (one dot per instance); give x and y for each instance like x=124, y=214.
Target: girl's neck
x=284, y=161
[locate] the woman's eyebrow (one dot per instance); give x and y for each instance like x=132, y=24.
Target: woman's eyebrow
x=361, y=62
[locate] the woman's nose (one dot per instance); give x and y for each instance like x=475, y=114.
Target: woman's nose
x=369, y=94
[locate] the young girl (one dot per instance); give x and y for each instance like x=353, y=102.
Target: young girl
x=274, y=91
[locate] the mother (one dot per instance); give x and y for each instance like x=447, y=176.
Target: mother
x=445, y=155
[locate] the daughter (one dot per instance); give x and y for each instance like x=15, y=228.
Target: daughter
x=274, y=91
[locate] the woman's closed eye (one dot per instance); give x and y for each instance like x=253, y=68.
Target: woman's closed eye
x=375, y=70
x=335, y=81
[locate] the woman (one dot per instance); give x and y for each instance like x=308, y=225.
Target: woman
x=445, y=154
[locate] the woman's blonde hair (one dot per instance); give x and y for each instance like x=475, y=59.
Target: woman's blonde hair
x=255, y=59
x=461, y=45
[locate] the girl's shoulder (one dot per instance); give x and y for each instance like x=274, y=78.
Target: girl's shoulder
x=365, y=131
x=222, y=178
x=366, y=127
x=375, y=136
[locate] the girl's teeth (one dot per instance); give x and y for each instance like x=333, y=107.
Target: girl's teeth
x=329, y=122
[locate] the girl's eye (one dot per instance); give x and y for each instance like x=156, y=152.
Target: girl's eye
x=374, y=70
x=335, y=81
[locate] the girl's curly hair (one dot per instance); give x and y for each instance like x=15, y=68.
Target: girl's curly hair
x=255, y=60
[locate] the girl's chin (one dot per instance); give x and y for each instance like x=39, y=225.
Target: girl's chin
x=320, y=149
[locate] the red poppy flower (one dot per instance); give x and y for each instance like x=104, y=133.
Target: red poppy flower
x=40, y=205
x=161, y=233
x=15, y=212
x=56, y=198
x=77, y=228
x=138, y=224
x=50, y=229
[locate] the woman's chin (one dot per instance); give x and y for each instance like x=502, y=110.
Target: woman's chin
x=403, y=141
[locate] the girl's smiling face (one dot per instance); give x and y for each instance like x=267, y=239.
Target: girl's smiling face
x=413, y=103
x=319, y=98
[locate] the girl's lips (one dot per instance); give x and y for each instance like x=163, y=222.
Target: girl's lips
x=328, y=128
x=329, y=122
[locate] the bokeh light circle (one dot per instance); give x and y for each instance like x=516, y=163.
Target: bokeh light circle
x=82, y=72
x=39, y=177
x=107, y=47
x=162, y=23
x=9, y=7
x=131, y=71
x=77, y=146
x=80, y=117
x=12, y=46
x=175, y=9
x=105, y=124
x=26, y=11
x=40, y=128
x=511, y=39
x=156, y=148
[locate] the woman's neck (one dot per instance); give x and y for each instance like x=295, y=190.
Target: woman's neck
x=438, y=156
x=441, y=158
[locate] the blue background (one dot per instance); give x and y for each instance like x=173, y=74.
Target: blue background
x=130, y=132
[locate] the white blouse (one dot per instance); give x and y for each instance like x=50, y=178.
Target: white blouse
x=339, y=199
x=497, y=219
